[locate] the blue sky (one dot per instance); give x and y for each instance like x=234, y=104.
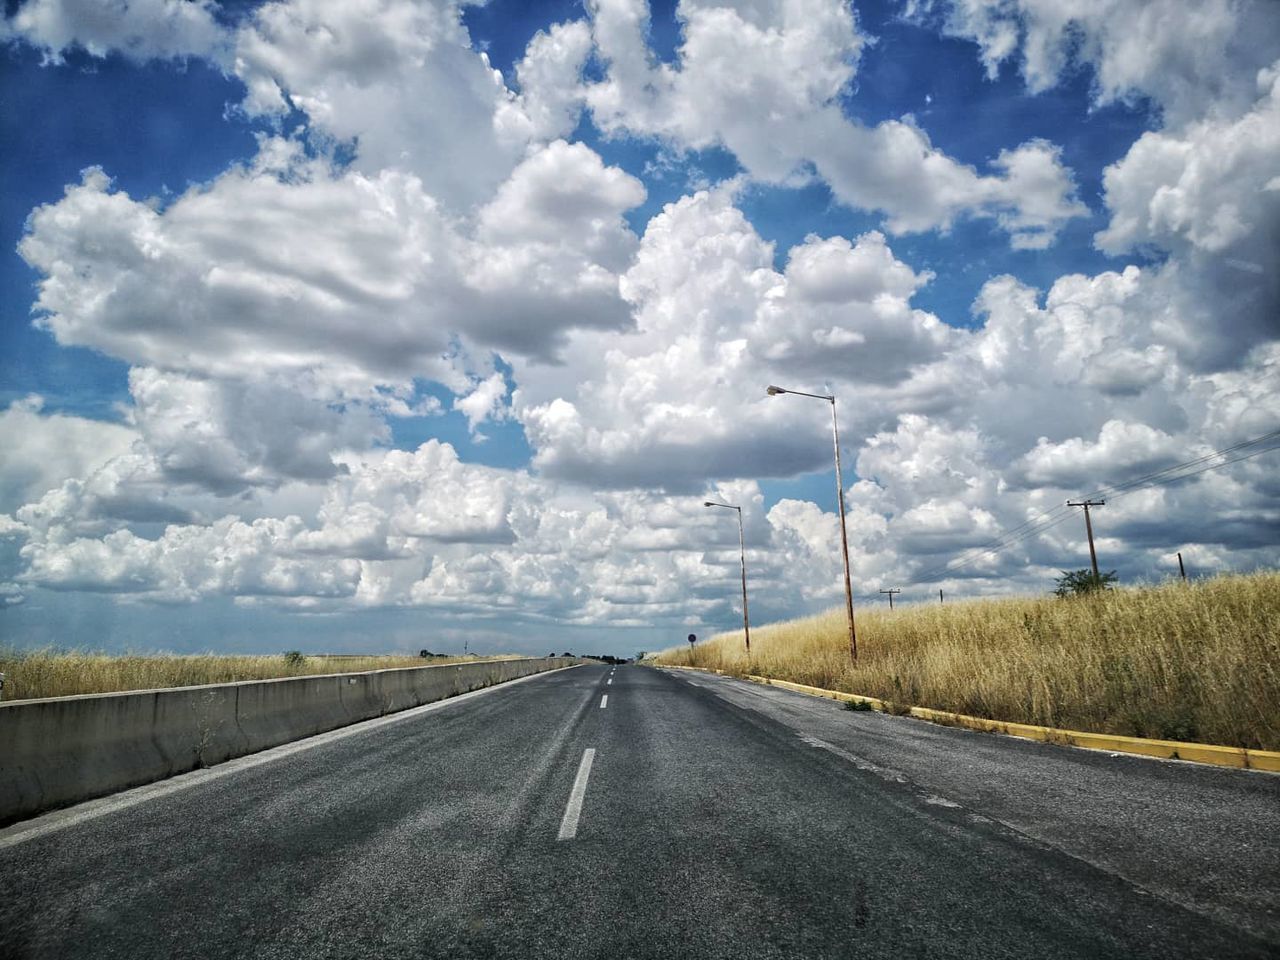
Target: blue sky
x=567, y=289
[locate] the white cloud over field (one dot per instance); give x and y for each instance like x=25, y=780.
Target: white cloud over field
x=280, y=319
x=42, y=450
x=340, y=281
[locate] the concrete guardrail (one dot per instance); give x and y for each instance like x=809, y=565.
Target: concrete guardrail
x=64, y=750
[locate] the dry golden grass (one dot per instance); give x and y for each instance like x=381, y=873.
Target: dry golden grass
x=1197, y=661
x=45, y=673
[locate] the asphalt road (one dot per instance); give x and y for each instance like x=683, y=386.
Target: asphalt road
x=686, y=816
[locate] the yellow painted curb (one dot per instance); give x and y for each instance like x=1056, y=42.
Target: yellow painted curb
x=680, y=666
x=1239, y=757
x=821, y=692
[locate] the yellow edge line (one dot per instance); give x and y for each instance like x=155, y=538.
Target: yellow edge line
x=1239, y=757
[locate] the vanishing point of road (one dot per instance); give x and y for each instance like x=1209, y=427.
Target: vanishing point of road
x=635, y=812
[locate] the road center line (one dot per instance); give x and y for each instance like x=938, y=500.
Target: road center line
x=609, y=682
x=569, y=825
x=604, y=701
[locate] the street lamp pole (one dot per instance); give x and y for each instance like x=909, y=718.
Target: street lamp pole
x=742, y=554
x=844, y=535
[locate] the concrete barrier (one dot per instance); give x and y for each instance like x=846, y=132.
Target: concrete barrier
x=64, y=750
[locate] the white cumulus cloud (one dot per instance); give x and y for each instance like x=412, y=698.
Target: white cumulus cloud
x=765, y=83
x=140, y=29
x=41, y=450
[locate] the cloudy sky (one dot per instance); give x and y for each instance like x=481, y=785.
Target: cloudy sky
x=380, y=324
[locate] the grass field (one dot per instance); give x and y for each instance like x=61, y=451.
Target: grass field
x=44, y=673
x=1197, y=661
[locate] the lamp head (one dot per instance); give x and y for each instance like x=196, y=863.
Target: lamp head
x=773, y=391
x=707, y=503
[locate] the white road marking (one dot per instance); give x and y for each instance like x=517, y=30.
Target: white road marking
x=569, y=825
x=92, y=809
x=604, y=701
x=609, y=682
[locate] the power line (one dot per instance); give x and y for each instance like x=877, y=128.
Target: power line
x=1022, y=531
x=1142, y=480
x=1194, y=473
x=1046, y=521
x=977, y=553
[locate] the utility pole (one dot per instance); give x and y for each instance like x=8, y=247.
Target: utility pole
x=1088, y=525
x=940, y=600
x=742, y=553
x=1181, y=569
x=890, y=593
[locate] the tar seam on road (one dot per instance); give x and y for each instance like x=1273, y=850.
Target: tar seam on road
x=884, y=773
x=569, y=825
x=92, y=809
x=604, y=701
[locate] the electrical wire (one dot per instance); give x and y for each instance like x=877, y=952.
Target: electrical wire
x=1142, y=480
x=1046, y=521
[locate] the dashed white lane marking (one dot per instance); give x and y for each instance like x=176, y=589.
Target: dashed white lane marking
x=92, y=809
x=569, y=824
x=609, y=682
x=604, y=701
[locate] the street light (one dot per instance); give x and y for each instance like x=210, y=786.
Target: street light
x=742, y=552
x=844, y=536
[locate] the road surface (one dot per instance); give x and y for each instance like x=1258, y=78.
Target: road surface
x=634, y=812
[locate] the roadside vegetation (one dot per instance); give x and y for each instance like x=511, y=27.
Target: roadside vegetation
x=52, y=673
x=1196, y=661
